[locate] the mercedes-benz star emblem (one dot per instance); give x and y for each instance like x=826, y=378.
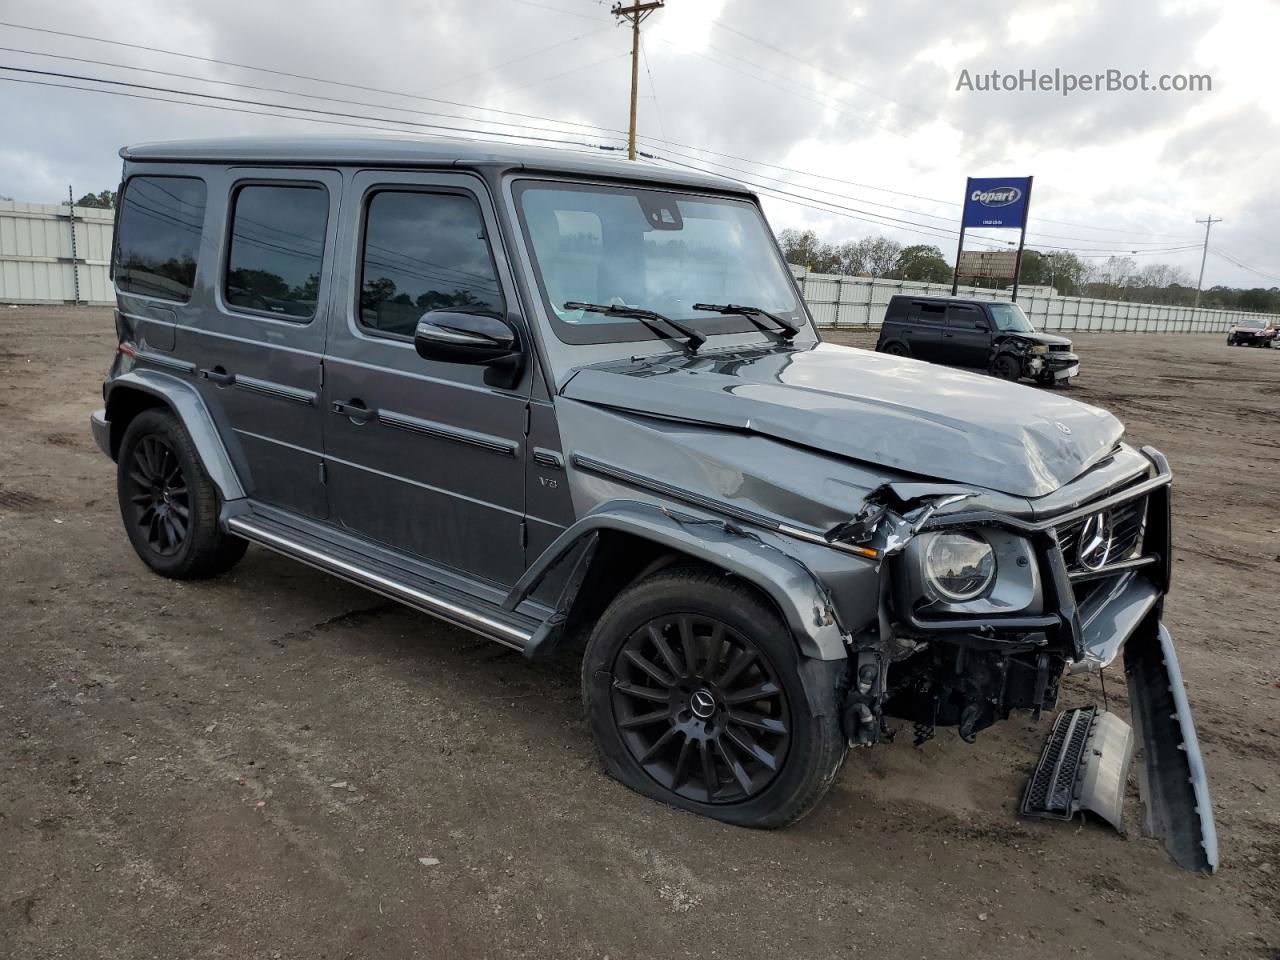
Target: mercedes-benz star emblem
x=703, y=704
x=1095, y=542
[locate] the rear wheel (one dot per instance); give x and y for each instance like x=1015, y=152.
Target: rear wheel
x=698, y=696
x=895, y=349
x=168, y=503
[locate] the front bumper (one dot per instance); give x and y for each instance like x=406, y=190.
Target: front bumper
x=100, y=427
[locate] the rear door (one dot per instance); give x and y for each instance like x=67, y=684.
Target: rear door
x=924, y=328
x=967, y=336
x=254, y=333
x=422, y=456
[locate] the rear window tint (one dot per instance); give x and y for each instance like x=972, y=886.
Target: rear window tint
x=928, y=312
x=277, y=245
x=158, y=241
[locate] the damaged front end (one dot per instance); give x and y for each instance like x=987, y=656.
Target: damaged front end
x=983, y=611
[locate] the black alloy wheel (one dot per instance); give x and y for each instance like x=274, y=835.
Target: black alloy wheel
x=168, y=502
x=158, y=493
x=700, y=708
x=896, y=350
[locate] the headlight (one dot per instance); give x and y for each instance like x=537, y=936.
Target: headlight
x=959, y=566
x=1039, y=348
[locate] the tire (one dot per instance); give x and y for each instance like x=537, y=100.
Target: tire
x=1231, y=341
x=1007, y=367
x=896, y=349
x=669, y=723
x=159, y=477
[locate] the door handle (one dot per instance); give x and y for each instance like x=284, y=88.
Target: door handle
x=217, y=376
x=355, y=410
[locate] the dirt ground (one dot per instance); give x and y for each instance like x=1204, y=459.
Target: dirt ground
x=276, y=764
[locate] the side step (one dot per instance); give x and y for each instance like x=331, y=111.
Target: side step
x=510, y=629
x=1084, y=766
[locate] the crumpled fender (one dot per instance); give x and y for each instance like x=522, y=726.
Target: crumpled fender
x=756, y=556
x=186, y=403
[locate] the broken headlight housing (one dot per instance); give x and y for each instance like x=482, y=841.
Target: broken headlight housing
x=994, y=570
x=958, y=567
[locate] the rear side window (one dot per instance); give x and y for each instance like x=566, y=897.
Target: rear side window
x=277, y=245
x=927, y=312
x=158, y=240
x=424, y=251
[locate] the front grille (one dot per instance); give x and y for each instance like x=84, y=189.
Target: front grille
x=1059, y=347
x=1127, y=522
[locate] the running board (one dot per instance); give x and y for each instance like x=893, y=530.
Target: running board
x=1084, y=766
x=440, y=601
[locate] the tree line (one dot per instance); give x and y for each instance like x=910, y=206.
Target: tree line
x=1115, y=278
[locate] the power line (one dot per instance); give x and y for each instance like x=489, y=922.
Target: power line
x=300, y=76
x=294, y=93
x=596, y=130
x=276, y=106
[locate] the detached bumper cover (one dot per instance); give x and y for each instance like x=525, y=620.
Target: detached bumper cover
x=1175, y=789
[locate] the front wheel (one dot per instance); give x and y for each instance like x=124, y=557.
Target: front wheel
x=698, y=696
x=896, y=349
x=1007, y=367
x=168, y=503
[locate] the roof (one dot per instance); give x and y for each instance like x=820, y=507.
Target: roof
x=943, y=298
x=405, y=151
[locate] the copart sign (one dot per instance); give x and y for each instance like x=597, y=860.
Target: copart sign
x=996, y=201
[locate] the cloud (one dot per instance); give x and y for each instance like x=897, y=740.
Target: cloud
x=862, y=94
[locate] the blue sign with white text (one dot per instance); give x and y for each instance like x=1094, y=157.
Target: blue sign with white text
x=997, y=202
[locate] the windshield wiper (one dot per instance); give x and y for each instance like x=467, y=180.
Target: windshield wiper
x=789, y=329
x=693, y=339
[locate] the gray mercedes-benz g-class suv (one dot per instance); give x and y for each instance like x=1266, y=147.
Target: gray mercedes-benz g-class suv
x=567, y=401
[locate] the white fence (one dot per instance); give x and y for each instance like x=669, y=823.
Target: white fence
x=837, y=301
x=43, y=259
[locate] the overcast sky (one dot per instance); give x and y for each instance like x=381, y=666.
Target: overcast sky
x=863, y=94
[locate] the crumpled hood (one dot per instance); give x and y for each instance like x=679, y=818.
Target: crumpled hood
x=904, y=414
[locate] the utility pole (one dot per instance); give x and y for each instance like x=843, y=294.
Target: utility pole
x=75, y=259
x=635, y=14
x=1208, y=222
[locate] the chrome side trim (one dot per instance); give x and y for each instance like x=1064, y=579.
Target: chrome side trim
x=160, y=360
x=456, y=614
x=271, y=389
x=441, y=431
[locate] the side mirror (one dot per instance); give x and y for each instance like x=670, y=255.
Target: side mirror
x=451, y=336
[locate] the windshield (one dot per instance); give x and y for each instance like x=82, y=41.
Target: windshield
x=1010, y=318
x=652, y=250
x=1252, y=324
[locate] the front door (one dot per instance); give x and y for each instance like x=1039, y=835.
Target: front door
x=968, y=337
x=422, y=456
x=258, y=340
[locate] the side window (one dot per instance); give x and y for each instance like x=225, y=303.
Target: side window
x=277, y=245
x=927, y=312
x=969, y=318
x=424, y=251
x=158, y=240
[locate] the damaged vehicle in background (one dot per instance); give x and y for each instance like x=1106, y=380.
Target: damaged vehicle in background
x=994, y=335
x=572, y=403
x=1252, y=333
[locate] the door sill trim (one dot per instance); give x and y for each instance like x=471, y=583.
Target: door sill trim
x=416, y=597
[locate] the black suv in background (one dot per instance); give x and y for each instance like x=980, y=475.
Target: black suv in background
x=994, y=335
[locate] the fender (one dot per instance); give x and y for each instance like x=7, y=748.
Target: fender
x=186, y=403
x=760, y=558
